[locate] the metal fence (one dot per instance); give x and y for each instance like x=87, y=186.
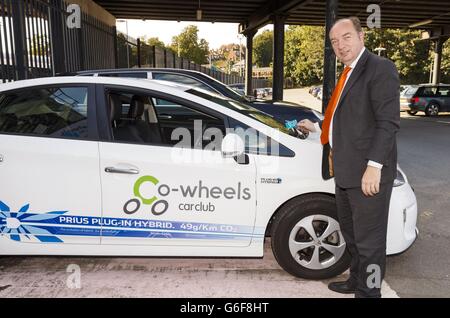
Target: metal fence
x=134, y=53
x=37, y=39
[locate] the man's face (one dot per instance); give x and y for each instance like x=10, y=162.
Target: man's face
x=346, y=41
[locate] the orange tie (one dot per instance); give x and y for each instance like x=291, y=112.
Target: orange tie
x=332, y=105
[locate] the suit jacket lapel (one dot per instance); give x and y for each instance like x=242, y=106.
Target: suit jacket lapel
x=355, y=75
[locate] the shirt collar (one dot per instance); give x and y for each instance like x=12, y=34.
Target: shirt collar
x=353, y=65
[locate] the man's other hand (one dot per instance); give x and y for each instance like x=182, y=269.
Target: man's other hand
x=370, y=182
x=306, y=125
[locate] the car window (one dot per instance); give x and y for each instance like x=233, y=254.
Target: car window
x=428, y=91
x=54, y=112
x=137, y=119
x=181, y=79
x=444, y=91
x=243, y=109
x=256, y=142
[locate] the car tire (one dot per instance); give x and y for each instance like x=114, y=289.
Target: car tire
x=432, y=109
x=288, y=231
x=411, y=112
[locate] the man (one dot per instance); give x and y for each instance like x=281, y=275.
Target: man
x=360, y=150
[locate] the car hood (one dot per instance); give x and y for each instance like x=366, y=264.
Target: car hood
x=286, y=111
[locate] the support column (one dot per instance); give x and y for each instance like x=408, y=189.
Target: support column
x=19, y=40
x=138, y=52
x=278, y=57
x=249, y=63
x=438, y=44
x=116, y=48
x=329, y=62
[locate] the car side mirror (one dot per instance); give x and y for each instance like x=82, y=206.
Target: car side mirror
x=232, y=146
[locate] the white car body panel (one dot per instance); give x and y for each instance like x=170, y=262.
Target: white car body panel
x=272, y=181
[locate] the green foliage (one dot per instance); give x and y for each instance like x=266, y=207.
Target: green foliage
x=303, y=54
x=406, y=49
x=413, y=57
x=188, y=45
x=263, y=49
x=156, y=42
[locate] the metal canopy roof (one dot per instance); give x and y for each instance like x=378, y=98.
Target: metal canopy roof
x=256, y=13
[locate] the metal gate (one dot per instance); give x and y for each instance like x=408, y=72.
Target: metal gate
x=36, y=40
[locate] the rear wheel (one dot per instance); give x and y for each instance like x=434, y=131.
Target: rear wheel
x=306, y=238
x=432, y=109
x=412, y=112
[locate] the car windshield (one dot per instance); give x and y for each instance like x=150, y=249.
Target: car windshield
x=242, y=108
x=231, y=93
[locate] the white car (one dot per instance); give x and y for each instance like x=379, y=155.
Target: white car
x=90, y=166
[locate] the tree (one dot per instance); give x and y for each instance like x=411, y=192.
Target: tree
x=40, y=45
x=304, y=54
x=263, y=49
x=405, y=48
x=445, y=65
x=155, y=41
x=188, y=45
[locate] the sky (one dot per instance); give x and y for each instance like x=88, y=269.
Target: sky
x=216, y=34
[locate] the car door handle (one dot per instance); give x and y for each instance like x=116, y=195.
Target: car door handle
x=121, y=170
x=164, y=116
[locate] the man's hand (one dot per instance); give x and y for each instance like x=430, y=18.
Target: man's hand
x=306, y=125
x=370, y=182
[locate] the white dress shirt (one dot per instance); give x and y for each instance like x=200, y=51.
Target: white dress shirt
x=330, y=137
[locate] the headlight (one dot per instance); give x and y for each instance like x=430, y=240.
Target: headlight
x=317, y=114
x=400, y=180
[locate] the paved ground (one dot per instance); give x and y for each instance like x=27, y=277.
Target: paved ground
x=423, y=271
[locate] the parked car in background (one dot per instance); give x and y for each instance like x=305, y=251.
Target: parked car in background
x=406, y=93
x=238, y=87
x=430, y=99
x=260, y=93
x=319, y=94
x=282, y=111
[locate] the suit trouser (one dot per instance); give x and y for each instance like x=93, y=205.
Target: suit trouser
x=363, y=221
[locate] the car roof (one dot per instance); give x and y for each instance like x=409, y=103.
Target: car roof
x=136, y=70
x=433, y=85
x=153, y=84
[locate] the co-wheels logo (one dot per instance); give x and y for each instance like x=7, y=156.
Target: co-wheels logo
x=204, y=196
x=158, y=207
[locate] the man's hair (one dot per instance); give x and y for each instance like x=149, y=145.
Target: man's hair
x=354, y=20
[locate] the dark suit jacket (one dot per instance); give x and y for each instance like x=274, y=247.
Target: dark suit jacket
x=366, y=122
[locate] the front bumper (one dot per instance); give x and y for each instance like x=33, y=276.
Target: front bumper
x=402, y=230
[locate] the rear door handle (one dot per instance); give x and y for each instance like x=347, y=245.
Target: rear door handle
x=121, y=170
x=165, y=116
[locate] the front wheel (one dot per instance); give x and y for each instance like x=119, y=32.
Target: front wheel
x=306, y=238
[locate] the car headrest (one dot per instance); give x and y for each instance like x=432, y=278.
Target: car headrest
x=115, y=107
x=137, y=106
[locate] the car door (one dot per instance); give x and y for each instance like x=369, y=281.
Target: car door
x=49, y=165
x=164, y=192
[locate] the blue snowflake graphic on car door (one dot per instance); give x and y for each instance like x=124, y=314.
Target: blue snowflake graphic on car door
x=23, y=226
